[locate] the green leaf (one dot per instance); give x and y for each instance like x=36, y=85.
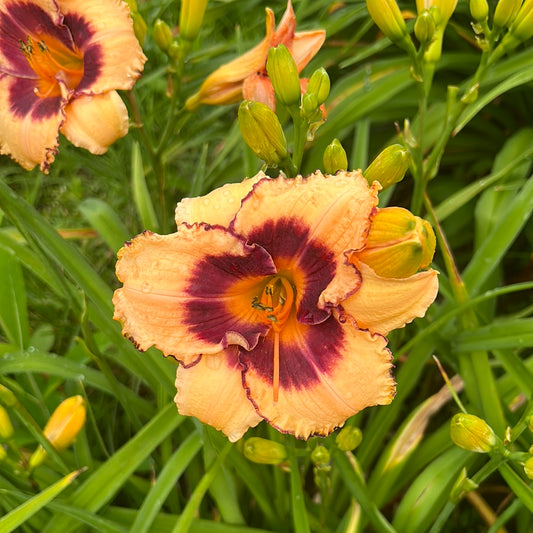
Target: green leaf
x=522, y=490
x=141, y=194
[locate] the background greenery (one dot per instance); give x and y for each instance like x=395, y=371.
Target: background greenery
x=148, y=468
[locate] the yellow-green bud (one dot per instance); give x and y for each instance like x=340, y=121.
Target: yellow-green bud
x=162, y=35
x=389, y=167
x=7, y=397
x=3, y=453
x=62, y=427
x=399, y=244
x=522, y=26
x=445, y=9
x=139, y=27
x=264, y=451
x=191, y=17
x=262, y=132
x=283, y=74
x=309, y=107
x=388, y=17
x=530, y=423
x=425, y=27
x=479, y=9
x=505, y=12
x=348, y=438
x=319, y=85
x=6, y=428
x=320, y=455
x=335, y=157
x=528, y=468
x=472, y=433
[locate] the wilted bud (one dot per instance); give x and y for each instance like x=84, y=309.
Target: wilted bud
x=389, y=167
x=528, y=468
x=479, y=9
x=335, y=157
x=472, y=433
x=264, y=451
x=191, y=17
x=62, y=427
x=388, y=17
x=162, y=35
x=319, y=85
x=7, y=397
x=348, y=438
x=505, y=12
x=425, y=27
x=6, y=428
x=320, y=455
x=283, y=74
x=399, y=244
x=462, y=486
x=262, y=132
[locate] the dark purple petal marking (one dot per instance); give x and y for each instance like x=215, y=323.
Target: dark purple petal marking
x=208, y=313
x=302, y=362
x=287, y=239
x=24, y=101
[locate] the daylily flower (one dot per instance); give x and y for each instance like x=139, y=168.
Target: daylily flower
x=246, y=77
x=60, y=63
x=251, y=296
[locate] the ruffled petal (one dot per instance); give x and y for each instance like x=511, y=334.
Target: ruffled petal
x=103, y=31
x=217, y=207
x=212, y=391
x=190, y=292
x=327, y=373
x=95, y=122
x=383, y=304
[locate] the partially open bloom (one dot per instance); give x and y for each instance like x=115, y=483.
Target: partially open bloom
x=255, y=296
x=246, y=77
x=60, y=63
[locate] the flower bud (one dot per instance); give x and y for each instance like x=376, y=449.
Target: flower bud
x=62, y=427
x=479, y=9
x=348, y=438
x=505, y=12
x=389, y=167
x=425, y=27
x=472, y=433
x=7, y=397
x=530, y=423
x=262, y=132
x=522, y=26
x=283, y=74
x=528, y=468
x=6, y=428
x=399, y=244
x=264, y=451
x=3, y=453
x=162, y=35
x=310, y=107
x=319, y=85
x=388, y=17
x=335, y=157
x=191, y=17
x=320, y=455
x=139, y=25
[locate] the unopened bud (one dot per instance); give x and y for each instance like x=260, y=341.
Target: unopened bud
x=399, y=244
x=388, y=17
x=479, y=9
x=348, y=438
x=310, y=107
x=319, y=85
x=62, y=427
x=320, y=455
x=335, y=157
x=191, y=17
x=472, y=433
x=6, y=428
x=441, y=10
x=425, y=27
x=530, y=423
x=528, y=468
x=262, y=132
x=264, y=451
x=162, y=35
x=283, y=74
x=389, y=167
x=505, y=12
x=7, y=397
x=522, y=26
x=139, y=25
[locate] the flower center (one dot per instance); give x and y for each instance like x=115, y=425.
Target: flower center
x=275, y=303
x=53, y=62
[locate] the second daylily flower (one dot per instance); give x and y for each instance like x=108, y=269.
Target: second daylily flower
x=60, y=63
x=264, y=297
x=245, y=77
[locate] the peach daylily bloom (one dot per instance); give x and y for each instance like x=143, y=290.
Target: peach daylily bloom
x=60, y=63
x=245, y=77
x=260, y=305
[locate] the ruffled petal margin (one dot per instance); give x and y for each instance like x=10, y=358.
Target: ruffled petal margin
x=383, y=304
x=212, y=391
